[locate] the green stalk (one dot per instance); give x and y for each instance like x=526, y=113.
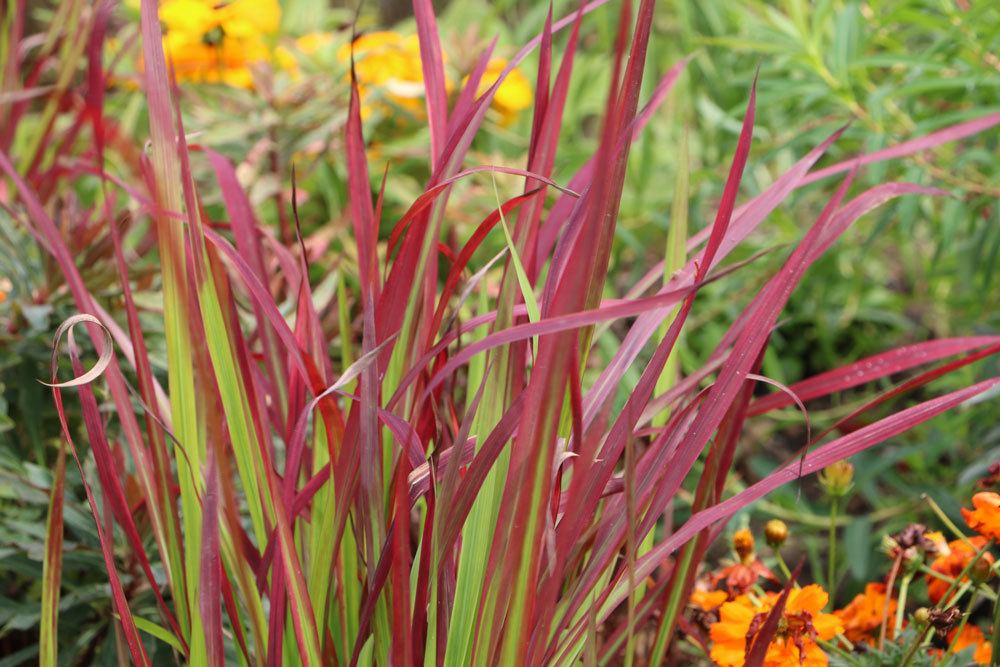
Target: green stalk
x=914, y=647
x=782, y=565
x=947, y=521
x=904, y=587
x=832, y=538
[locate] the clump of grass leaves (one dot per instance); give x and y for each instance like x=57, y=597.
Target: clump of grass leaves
x=464, y=484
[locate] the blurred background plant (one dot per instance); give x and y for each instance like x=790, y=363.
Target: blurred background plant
x=266, y=83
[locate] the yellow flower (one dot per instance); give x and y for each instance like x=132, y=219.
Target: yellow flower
x=794, y=643
x=218, y=42
x=514, y=94
x=312, y=42
x=189, y=16
x=387, y=63
x=249, y=19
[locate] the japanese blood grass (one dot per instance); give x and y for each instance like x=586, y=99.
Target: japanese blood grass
x=453, y=495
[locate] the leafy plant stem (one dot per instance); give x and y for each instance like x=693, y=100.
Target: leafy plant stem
x=782, y=565
x=914, y=647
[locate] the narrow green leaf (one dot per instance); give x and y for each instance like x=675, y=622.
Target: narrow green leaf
x=48, y=645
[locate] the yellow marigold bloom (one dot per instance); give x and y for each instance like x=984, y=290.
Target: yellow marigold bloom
x=985, y=518
x=387, y=62
x=862, y=618
x=513, y=96
x=249, y=19
x=190, y=16
x=218, y=42
x=794, y=643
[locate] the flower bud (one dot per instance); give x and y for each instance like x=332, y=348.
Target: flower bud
x=743, y=544
x=775, y=532
x=837, y=478
x=981, y=571
x=922, y=616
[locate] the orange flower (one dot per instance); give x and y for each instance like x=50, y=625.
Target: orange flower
x=985, y=519
x=973, y=636
x=802, y=623
x=862, y=617
x=953, y=560
x=739, y=577
x=708, y=600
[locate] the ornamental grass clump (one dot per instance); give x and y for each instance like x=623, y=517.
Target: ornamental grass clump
x=442, y=467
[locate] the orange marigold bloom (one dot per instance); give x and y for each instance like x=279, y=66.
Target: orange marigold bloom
x=862, y=617
x=708, y=600
x=802, y=623
x=973, y=636
x=985, y=518
x=951, y=563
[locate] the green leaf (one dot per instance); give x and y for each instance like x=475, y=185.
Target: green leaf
x=857, y=547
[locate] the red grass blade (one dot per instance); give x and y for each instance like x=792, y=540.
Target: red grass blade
x=871, y=368
x=911, y=147
x=134, y=642
x=840, y=448
x=432, y=63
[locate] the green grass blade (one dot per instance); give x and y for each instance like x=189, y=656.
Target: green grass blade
x=48, y=646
